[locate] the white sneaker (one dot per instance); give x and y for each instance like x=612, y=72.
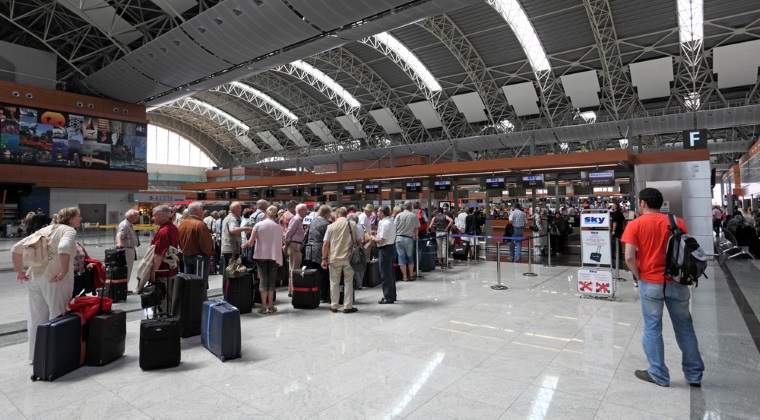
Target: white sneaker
x=635, y=283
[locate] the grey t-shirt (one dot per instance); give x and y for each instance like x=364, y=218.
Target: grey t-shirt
x=407, y=224
x=230, y=243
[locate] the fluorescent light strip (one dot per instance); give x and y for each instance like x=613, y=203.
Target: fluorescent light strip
x=218, y=112
x=690, y=16
x=266, y=98
x=327, y=81
x=518, y=21
x=410, y=59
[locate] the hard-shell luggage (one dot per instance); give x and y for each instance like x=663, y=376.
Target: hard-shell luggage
x=428, y=253
x=220, y=329
x=187, y=302
x=116, y=257
x=460, y=252
x=58, y=348
x=84, y=282
x=116, y=290
x=159, y=343
x=372, y=274
x=116, y=272
x=305, y=289
x=106, y=335
x=238, y=292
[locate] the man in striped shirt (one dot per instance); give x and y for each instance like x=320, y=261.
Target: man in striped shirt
x=518, y=220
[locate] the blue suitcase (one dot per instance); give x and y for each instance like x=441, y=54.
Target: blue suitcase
x=220, y=329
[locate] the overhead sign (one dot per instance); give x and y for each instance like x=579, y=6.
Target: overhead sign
x=414, y=186
x=497, y=183
x=595, y=220
x=603, y=178
x=371, y=188
x=695, y=139
x=157, y=197
x=442, y=185
x=533, y=181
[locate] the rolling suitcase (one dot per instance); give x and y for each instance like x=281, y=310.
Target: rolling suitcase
x=106, y=336
x=283, y=272
x=220, y=329
x=58, y=348
x=305, y=289
x=460, y=252
x=372, y=274
x=238, y=292
x=116, y=272
x=187, y=300
x=116, y=289
x=159, y=343
x=116, y=257
x=428, y=251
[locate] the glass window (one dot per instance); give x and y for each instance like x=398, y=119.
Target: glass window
x=170, y=148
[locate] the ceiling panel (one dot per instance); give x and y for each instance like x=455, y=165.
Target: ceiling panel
x=424, y=112
x=333, y=14
x=294, y=135
x=523, y=98
x=471, y=105
x=385, y=118
x=352, y=125
x=320, y=130
x=582, y=88
x=652, y=78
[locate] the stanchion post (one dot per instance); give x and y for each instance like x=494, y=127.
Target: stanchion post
x=617, y=261
x=446, y=255
x=530, y=272
x=498, y=285
x=549, y=250
x=417, y=257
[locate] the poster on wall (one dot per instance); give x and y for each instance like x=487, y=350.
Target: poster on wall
x=53, y=138
x=595, y=245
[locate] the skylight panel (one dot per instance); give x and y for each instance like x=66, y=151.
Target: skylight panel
x=410, y=59
x=328, y=81
x=690, y=15
x=518, y=21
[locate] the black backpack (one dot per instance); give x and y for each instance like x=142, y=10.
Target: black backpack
x=685, y=261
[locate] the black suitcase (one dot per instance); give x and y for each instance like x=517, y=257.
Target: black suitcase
x=305, y=289
x=116, y=272
x=159, y=343
x=116, y=290
x=238, y=292
x=187, y=303
x=116, y=257
x=84, y=282
x=220, y=329
x=58, y=348
x=428, y=253
x=106, y=336
x=372, y=274
x=460, y=252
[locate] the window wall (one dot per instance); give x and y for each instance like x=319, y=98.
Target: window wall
x=170, y=148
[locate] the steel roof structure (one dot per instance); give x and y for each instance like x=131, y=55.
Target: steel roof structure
x=509, y=77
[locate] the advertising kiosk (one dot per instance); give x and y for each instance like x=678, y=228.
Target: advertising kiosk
x=595, y=277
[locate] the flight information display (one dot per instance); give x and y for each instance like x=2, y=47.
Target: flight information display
x=315, y=191
x=414, y=186
x=442, y=185
x=495, y=183
x=349, y=189
x=533, y=181
x=371, y=188
x=297, y=191
x=602, y=178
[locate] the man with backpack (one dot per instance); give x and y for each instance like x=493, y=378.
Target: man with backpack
x=646, y=254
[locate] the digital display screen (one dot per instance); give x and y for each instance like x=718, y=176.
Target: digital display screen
x=414, y=186
x=269, y=193
x=44, y=137
x=371, y=188
x=442, y=185
x=533, y=181
x=297, y=191
x=349, y=189
x=603, y=178
x=495, y=183
x=315, y=191
x=232, y=194
x=255, y=194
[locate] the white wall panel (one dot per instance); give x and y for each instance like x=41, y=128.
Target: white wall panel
x=736, y=65
x=424, y=112
x=582, y=88
x=115, y=201
x=471, y=106
x=385, y=118
x=523, y=97
x=652, y=78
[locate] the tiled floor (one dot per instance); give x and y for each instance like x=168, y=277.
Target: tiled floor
x=452, y=348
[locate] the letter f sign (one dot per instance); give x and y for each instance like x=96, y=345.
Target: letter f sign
x=694, y=137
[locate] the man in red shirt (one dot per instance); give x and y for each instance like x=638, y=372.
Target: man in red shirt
x=165, y=259
x=646, y=240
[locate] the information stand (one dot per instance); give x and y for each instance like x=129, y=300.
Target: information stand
x=595, y=277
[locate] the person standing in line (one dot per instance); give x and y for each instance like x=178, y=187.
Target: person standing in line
x=365, y=218
x=313, y=249
x=441, y=225
x=267, y=255
x=50, y=286
x=290, y=211
x=208, y=219
x=359, y=270
x=216, y=232
x=231, y=234
x=470, y=229
x=407, y=227
x=518, y=220
x=646, y=239
x=195, y=242
x=294, y=236
x=385, y=240
x=461, y=220
x=127, y=239
x=340, y=236
x=717, y=220
x=165, y=258
x=618, y=225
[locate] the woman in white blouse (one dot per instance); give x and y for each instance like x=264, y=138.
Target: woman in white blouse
x=50, y=286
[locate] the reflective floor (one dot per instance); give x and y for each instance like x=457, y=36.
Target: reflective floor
x=451, y=348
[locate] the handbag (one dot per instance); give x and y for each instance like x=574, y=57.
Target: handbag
x=152, y=295
x=358, y=258
x=235, y=269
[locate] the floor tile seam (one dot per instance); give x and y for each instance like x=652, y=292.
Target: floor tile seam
x=424, y=403
x=13, y=403
x=130, y=404
x=620, y=363
x=535, y=286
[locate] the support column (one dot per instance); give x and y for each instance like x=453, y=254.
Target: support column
x=339, y=165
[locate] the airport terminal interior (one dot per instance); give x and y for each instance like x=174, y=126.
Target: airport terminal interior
x=380, y=209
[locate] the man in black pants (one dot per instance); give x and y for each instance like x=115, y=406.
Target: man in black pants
x=385, y=240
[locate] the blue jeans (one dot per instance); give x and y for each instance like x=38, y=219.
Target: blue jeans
x=676, y=297
x=517, y=232
x=405, y=248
